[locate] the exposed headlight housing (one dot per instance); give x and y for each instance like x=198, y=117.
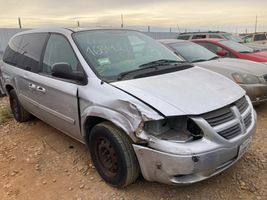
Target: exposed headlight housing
x=243, y=78
x=176, y=129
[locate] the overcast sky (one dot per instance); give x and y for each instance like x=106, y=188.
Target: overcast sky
x=229, y=15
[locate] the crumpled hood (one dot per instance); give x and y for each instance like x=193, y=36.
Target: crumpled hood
x=235, y=65
x=188, y=92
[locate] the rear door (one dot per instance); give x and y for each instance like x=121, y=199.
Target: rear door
x=26, y=59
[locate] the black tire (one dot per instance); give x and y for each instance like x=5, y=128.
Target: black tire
x=113, y=155
x=19, y=113
x=2, y=93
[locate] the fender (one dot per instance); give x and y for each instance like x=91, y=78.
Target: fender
x=110, y=115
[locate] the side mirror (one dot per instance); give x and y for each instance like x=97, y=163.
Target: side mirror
x=64, y=70
x=221, y=53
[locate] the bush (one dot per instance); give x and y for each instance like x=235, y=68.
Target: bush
x=5, y=114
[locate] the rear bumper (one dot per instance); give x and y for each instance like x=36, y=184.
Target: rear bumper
x=192, y=166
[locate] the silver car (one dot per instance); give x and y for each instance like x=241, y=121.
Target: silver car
x=132, y=101
x=257, y=38
x=251, y=76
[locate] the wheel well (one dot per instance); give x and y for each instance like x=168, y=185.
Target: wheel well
x=9, y=88
x=90, y=123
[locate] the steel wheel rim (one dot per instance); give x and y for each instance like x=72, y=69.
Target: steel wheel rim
x=107, y=157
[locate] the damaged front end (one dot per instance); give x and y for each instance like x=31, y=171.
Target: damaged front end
x=188, y=149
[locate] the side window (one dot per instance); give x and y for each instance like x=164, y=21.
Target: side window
x=11, y=53
x=248, y=39
x=211, y=47
x=58, y=50
x=183, y=37
x=215, y=36
x=259, y=37
x=214, y=48
x=30, y=51
x=199, y=36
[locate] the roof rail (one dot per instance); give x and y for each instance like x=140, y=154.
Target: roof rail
x=201, y=32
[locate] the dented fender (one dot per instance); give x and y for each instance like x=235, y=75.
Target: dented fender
x=126, y=115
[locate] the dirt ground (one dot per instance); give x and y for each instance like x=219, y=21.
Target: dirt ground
x=37, y=162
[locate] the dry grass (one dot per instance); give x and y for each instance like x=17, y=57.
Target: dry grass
x=5, y=114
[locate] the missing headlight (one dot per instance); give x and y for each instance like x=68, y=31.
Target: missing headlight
x=176, y=129
x=194, y=129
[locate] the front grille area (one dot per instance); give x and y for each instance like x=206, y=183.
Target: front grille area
x=242, y=104
x=218, y=118
x=230, y=132
x=248, y=120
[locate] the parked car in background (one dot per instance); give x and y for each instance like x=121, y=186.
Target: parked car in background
x=132, y=101
x=256, y=47
x=258, y=38
x=221, y=35
x=251, y=76
x=209, y=34
x=231, y=49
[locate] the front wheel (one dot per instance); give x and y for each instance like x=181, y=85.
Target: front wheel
x=113, y=155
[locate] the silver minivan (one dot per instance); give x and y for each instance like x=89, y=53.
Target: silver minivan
x=137, y=106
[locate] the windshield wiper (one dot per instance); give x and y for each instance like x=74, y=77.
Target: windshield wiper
x=160, y=62
x=149, y=69
x=199, y=60
x=123, y=74
x=245, y=52
x=214, y=58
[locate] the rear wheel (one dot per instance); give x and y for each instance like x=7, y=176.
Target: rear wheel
x=2, y=93
x=20, y=114
x=113, y=155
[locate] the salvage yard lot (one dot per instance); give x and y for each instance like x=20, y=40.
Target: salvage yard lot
x=39, y=162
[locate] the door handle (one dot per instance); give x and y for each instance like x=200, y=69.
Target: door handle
x=32, y=86
x=41, y=89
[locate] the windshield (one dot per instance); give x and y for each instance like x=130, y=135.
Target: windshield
x=235, y=38
x=237, y=46
x=113, y=52
x=193, y=52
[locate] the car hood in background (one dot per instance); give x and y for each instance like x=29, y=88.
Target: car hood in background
x=189, y=92
x=259, y=47
x=257, y=56
x=235, y=65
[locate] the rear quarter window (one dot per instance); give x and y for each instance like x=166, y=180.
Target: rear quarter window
x=183, y=37
x=11, y=53
x=215, y=36
x=199, y=36
x=30, y=51
x=259, y=37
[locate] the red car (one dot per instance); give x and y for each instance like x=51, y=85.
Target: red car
x=228, y=48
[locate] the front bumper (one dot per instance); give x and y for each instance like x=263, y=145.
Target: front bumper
x=256, y=92
x=198, y=161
